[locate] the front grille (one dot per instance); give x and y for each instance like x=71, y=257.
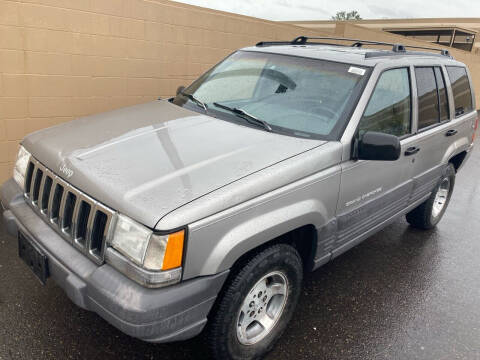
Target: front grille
x=79, y=219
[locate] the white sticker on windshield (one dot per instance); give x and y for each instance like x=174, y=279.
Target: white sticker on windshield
x=355, y=70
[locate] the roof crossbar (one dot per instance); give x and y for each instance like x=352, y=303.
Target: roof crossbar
x=396, y=48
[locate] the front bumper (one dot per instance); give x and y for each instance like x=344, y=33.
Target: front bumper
x=173, y=313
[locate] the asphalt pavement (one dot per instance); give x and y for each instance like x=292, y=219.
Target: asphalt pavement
x=401, y=294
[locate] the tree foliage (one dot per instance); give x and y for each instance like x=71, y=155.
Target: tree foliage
x=344, y=15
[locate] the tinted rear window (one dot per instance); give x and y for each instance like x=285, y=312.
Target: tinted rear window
x=428, y=109
x=462, y=93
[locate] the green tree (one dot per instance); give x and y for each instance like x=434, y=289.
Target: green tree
x=343, y=15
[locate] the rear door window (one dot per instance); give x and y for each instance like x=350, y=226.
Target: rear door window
x=462, y=94
x=428, y=104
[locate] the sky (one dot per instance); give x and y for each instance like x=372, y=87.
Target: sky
x=285, y=10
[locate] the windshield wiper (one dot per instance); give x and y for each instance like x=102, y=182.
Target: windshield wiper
x=250, y=118
x=195, y=100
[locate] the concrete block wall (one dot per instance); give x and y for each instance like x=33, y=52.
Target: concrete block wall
x=61, y=59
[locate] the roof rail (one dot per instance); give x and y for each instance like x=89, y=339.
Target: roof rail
x=396, y=48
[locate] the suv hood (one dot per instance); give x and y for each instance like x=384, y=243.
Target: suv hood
x=147, y=160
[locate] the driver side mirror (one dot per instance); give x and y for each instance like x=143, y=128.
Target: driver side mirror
x=378, y=146
x=180, y=89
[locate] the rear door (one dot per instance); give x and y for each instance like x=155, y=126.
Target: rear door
x=437, y=129
x=371, y=192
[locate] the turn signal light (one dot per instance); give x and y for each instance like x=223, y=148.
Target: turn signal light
x=174, y=251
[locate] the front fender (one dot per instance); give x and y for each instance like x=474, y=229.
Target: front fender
x=217, y=242
x=262, y=228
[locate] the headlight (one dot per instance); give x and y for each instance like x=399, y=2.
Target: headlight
x=21, y=166
x=156, y=257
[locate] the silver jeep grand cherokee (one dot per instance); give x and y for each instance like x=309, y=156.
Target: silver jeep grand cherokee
x=202, y=212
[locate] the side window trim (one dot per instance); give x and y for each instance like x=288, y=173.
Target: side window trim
x=448, y=85
x=411, y=80
x=449, y=118
x=414, y=101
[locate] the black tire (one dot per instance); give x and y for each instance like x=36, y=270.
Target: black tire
x=422, y=217
x=221, y=331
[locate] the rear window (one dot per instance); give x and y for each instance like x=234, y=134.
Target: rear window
x=432, y=96
x=428, y=109
x=462, y=94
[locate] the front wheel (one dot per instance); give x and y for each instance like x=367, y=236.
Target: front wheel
x=256, y=305
x=428, y=214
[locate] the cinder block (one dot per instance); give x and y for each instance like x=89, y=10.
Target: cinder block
x=13, y=107
x=80, y=21
x=155, y=31
x=9, y=13
x=82, y=106
x=12, y=61
x=67, y=4
x=111, y=46
x=8, y=151
x=49, y=107
x=129, y=28
x=110, y=7
x=83, y=64
x=109, y=86
x=47, y=63
x=14, y=85
x=48, y=40
x=14, y=129
x=144, y=68
x=82, y=86
x=180, y=16
x=143, y=86
x=141, y=49
x=11, y=37
x=84, y=44
x=46, y=17
x=3, y=130
x=100, y=24
x=50, y=85
x=110, y=66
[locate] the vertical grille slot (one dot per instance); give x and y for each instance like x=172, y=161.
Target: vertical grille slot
x=82, y=222
x=28, y=177
x=36, y=185
x=98, y=231
x=57, y=199
x=68, y=212
x=47, y=187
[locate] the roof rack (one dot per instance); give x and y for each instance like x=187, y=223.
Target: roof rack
x=396, y=48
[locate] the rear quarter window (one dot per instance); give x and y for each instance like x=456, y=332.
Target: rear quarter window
x=462, y=93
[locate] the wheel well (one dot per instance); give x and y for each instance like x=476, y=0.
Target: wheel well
x=457, y=160
x=303, y=239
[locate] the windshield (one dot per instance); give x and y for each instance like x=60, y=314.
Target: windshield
x=292, y=95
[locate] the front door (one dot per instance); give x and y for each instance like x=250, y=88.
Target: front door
x=371, y=192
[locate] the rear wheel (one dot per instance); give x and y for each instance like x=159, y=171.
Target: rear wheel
x=428, y=214
x=256, y=305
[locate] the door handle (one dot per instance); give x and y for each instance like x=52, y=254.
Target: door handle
x=451, y=132
x=412, y=150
